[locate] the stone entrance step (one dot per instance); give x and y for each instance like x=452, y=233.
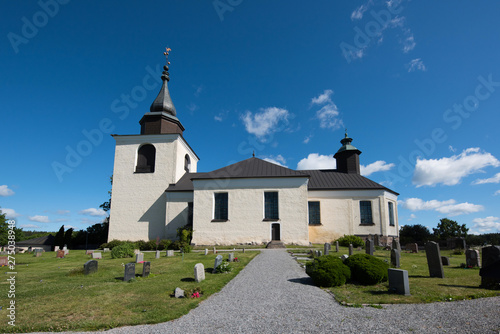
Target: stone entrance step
x=275, y=244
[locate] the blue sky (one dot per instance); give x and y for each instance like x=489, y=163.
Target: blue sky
x=416, y=83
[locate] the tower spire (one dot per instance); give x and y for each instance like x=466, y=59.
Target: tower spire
x=163, y=102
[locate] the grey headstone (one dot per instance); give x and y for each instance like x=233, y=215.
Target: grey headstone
x=66, y=251
x=146, y=268
x=243, y=250
x=472, y=258
x=206, y=251
x=137, y=251
x=376, y=240
x=396, y=245
x=56, y=248
x=215, y=250
x=344, y=257
x=370, y=236
x=445, y=260
x=38, y=252
x=369, y=247
x=337, y=246
x=320, y=253
x=90, y=267
x=351, y=249
x=97, y=255
x=139, y=257
x=157, y=254
x=89, y=252
x=217, y=262
x=398, y=281
x=129, y=271
x=413, y=248
x=179, y=293
x=170, y=252
x=395, y=258
x=490, y=271
x=434, y=259
x=327, y=247
x=65, y=248
x=199, y=272
x=231, y=257
x=106, y=250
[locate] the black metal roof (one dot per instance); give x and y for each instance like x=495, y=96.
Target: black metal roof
x=45, y=240
x=329, y=179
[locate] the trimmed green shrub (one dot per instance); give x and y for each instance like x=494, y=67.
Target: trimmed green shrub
x=141, y=245
x=112, y=244
x=177, y=245
x=126, y=249
x=164, y=244
x=327, y=271
x=367, y=269
x=350, y=239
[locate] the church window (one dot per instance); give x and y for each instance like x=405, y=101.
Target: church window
x=187, y=163
x=391, y=214
x=190, y=214
x=365, y=208
x=314, y=213
x=220, y=207
x=271, y=205
x=146, y=159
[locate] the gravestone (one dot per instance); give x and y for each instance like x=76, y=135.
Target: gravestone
x=376, y=240
x=217, y=262
x=490, y=271
x=327, y=247
x=199, y=272
x=243, y=250
x=206, y=251
x=89, y=252
x=146, y=268
x=337, y=246
x=60, y=254
x=215, y=250
x=472, y=258
x=157, y=254
x=395, y=258
x=106, y=250
x=344, y=257
x=56, y=248
x=38, y=252
x=452, y=243
x=137, y=251
x=369, y=247
x=65, y=248
x=139, y=258
x=30, y=249
x=170, y=252
x=413, y=248
x=434, y=259
x=90, y=267
x=179, y=293
x=320, y=253
x=445, y=260
x=231, y=257
x=396, y=245
x=129, y=271
x=351, y=249
x=4, y=260
x=370, y=237
x=66, y=251
x=398, y=281
x=97, y=255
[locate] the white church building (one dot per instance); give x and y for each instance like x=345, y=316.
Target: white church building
x=157, y=188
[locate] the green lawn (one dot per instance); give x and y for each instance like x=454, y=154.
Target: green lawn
x=53, y=294
x=459, y=283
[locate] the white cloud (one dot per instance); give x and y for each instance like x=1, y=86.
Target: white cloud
x=5, y=191
x=93, y=212
x=377, y=166
x=494, y=179
x=450, y=171
x=218, y=118
x=451, y=148
x=449, y=207
x=323, y=98
x=39, y=219
x=357, y=14
x=277, y=160
x=307, y=139
x=62, y=212
x=198, y=90
x=416, y=64
x=265, y=122
x=497, y=193
x=409, y=42
x=66, y=227
x=317, y=161
x=10, y=213
x=62, y=220
x=412, y=216
x=29, y=226
x=88, y=221
x=192, y=106
x=486, y=225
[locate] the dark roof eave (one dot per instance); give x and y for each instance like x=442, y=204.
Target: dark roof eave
x=250, y=177
x=345, y=189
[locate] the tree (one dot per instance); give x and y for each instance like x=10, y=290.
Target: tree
x=414, y=234
x=67, y=237
x=4, y=231
x=59, y=238
x=448, y=228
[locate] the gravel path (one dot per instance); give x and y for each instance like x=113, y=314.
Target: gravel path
x=274, y=295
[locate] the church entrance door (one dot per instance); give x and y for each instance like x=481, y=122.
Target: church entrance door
x=275, y=232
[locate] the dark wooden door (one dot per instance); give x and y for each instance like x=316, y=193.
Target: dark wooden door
x=275, y=231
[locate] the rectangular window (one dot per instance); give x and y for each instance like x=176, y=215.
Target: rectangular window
x=220, y=211
x=190, y=214
x=271, y=206
x=365, y=208
x=314, y=214
x=391, y=214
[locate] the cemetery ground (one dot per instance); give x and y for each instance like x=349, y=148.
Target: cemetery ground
x=53, y=294
x=459, y=283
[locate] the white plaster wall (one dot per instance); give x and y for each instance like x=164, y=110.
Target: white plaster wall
x=177, y=212
x=138, y=199
x=246, y=211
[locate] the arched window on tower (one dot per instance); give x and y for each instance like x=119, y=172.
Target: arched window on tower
x=146, y=159
x=187, y=163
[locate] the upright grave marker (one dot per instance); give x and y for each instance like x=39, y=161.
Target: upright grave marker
x=217, y=262
x=60, y=254
x=199, y=272
x=170, y=252
x=90, y=267
x=490, y=271
x=38, y=252
x=129, y=271
x=472, y=258
x=376, y=240
x=445, y=260
x=336, y=246
x=327, y=248
x=351, y=250
x=97, y=255
x=395, y=258
x=206, y=251
x=413, y=248
x=157, y=254
x=434, y=259
x=146, y=268
x=398, y=281
x=231, y=257
x=369, y=247
x=396, y=245
x=139, y=258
